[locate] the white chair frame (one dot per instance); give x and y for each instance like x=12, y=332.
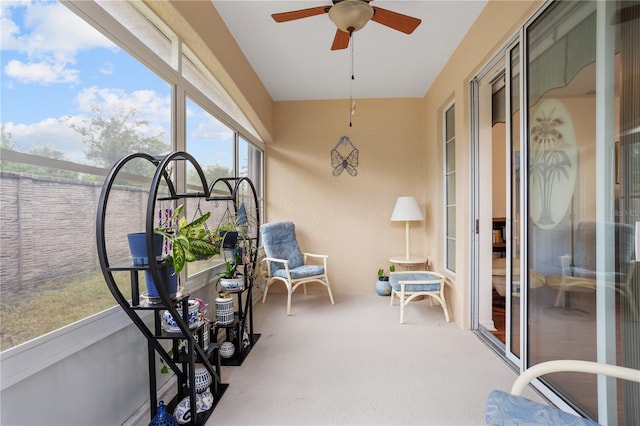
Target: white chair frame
x=577, y=366
x=293, y=284
x=518, y=410
x=407, y=296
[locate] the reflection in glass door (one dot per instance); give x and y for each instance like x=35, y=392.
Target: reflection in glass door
x=583, y=157
x=572, y=139
x=514, y=221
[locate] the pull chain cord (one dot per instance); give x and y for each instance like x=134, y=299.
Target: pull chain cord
x=352, y=104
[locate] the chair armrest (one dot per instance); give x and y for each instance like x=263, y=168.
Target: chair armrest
x=273, y=259
x=268, y=261
x=324, y=256
x=574, y=366
x=317, y=256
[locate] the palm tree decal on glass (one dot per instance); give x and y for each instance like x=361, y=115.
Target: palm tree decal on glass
x=552, y=163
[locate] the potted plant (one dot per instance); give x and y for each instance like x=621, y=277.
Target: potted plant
x=227, y=234
x=230, y=278
x=383, y=288
x=233, y=228
x=189, y=241
x=186, y=242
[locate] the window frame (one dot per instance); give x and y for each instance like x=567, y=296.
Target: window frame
x=446, y=140
x=71, y=338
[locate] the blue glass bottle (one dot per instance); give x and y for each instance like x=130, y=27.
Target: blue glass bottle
x=163, y=418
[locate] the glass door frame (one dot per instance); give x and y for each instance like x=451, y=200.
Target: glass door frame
x=501, y=62
x=605, y=45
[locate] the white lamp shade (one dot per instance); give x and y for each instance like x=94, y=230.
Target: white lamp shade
x=406, y=208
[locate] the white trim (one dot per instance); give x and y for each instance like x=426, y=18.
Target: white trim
x=605, y=183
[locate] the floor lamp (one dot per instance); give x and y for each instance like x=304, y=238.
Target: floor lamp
x=406, y=209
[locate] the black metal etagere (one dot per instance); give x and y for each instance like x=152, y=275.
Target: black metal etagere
x=181, y=363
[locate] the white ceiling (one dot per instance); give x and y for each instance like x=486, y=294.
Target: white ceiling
x=295, y=62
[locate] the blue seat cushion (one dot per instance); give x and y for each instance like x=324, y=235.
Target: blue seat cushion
x=505, y=409
x=394, y=281
x=301, y=271
x=279, y=241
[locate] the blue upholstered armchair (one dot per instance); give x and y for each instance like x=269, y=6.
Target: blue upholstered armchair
x=287, y=264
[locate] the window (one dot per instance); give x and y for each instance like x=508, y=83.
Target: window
x=71, y=107
x=450, y=187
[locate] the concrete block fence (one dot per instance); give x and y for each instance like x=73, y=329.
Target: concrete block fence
x=47, y=228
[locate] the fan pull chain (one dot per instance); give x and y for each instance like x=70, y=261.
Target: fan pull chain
x=352, y=104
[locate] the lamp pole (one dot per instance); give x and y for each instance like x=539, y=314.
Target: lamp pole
x=406, y=227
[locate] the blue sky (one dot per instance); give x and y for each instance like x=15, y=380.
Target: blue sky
x=55, y=67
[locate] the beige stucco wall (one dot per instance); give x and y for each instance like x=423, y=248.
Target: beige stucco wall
x=496, y=25
x=347, y=217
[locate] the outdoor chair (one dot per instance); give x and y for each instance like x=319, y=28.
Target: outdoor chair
x=287, y=264
x=504, y=408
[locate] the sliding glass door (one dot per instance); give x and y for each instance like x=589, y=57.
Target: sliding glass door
x=571, y=281
x=583, y=201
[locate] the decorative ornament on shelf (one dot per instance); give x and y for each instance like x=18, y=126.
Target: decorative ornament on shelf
x=224, y=309
x=163, y=418
x=204, y=402
x=192, y=319
x=341, y=160
x=227, y=349
x=203, y=379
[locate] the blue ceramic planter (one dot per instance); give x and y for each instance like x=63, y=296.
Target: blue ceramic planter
x=138, y=247
x=139, y=257
x=383, y=288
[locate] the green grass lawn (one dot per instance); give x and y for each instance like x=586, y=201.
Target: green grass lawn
x=56, y=304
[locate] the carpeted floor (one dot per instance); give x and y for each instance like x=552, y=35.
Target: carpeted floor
x=354, y=364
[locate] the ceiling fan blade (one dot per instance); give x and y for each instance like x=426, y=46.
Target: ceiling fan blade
x=341, y=40
x=395, y=20
x=299, y=14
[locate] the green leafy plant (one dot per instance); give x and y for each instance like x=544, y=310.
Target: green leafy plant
x=231, y=268
x=381, y=272
x=190, y=241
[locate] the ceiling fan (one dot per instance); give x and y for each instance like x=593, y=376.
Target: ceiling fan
x=352, y=15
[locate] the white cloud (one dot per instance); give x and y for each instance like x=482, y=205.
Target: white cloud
x=211, y=129
x=52, y=132
x=40, y=72
x=106, y=68
x=50, y=29
x=150, y=105
x=50, y=36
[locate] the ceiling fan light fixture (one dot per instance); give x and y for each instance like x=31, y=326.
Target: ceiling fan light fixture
x=350, y=15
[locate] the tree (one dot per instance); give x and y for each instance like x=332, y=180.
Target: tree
x=210, y=172
x=7, y=138
x=109, y=138
x=46, y=151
